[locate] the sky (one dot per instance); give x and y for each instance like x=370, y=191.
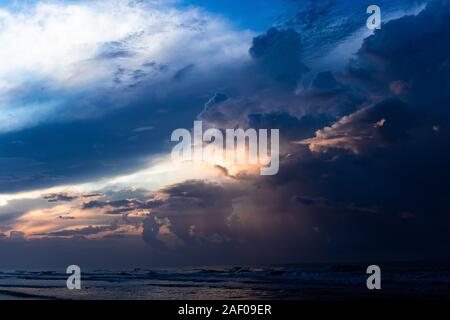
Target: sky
x=90, y=92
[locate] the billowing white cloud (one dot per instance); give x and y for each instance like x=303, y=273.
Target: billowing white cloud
x=57, y=49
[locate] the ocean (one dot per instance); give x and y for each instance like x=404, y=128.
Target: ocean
x=302, y=282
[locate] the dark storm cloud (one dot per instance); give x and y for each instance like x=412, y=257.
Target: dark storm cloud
x=392, y=191
x=192, y=213
x=299, y=114
x=406, y=58
x=265, y=85
x=388, y=195
x=384, y=200
x=279, y=53
x=317, y=104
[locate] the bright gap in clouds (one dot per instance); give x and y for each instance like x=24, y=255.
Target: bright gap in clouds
x=54, y=53
x=162, y=171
